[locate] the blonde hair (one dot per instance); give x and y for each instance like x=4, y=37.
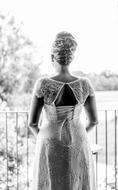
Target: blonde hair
x=64, y=47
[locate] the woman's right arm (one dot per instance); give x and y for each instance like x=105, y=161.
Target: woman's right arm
x=91, y=111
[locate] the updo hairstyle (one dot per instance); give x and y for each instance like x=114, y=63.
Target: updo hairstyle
x=63, y=48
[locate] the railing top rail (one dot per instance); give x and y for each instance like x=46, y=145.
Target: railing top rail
x=26, y=111
x=14, y=111
x=107, y=109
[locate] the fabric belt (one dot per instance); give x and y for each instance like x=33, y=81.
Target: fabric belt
x=65, y=111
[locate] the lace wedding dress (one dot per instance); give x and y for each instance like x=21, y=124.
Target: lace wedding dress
x=63, y=158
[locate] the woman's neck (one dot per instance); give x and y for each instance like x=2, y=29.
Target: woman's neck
x=64, y=70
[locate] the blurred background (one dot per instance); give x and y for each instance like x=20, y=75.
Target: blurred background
x=27, y=30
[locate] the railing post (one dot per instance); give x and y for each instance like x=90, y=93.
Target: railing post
x=116, y=150
x=17, y=149
x=6, y=148
x=106, y=144
x=27, y=153
x=96, y=159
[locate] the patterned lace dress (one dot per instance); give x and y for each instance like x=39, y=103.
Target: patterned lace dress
x=63, y=158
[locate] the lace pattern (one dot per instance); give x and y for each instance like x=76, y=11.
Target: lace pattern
x=90, y=87
x=49, y=89
x=38, y=88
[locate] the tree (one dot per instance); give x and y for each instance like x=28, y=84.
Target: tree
x=17, y=53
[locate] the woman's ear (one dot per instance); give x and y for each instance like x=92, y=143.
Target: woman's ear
x=52, y=57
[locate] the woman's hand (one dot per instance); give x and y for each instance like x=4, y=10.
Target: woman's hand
x=90, y=126
x=34, y=129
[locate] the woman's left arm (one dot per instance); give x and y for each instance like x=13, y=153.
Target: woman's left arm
x=90, y=107
x=91, y=111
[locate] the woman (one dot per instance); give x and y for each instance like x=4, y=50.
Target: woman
x=63, y=158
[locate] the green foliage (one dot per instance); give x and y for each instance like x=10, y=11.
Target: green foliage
x=104, y=81
x=107, y=80
x=18, y=67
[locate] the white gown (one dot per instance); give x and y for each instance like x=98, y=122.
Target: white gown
x=63, y=158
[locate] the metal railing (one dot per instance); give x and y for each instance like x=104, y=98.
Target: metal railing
x=17, y=150
x=108, y=126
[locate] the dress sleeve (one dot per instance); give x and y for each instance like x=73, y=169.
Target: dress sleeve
x=38, y=91
x=90, y=88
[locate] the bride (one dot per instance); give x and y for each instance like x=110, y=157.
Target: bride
x=63, y=158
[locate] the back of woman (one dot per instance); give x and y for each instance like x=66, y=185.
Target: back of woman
x=63, y=158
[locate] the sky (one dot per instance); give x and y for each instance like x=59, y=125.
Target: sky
x=93, y=23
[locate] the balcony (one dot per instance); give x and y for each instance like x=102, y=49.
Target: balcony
x=17, y=146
